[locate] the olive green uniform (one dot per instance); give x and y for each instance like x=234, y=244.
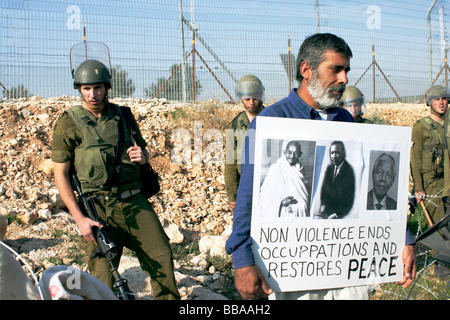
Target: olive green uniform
x=360, y=119
x=427, y=167
x=446, y=194
x=90, y=143
x=236, y=131
x=248, y=87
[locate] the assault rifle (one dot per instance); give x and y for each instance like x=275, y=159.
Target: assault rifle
x=105, y=245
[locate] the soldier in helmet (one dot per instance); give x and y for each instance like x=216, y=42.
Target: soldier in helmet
x=85, y=139
x=353, y=101
x=250, y=92
x=427, y=153
x=440, y=269
x=446, y=194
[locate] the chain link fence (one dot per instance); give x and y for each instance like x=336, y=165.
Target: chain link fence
x=153, y=52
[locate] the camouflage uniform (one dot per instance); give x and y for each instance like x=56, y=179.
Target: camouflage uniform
x=360, y=119
x=446, y=193
x=248, y=87
x=236, y=130
x=131, y=220
x=427, y=164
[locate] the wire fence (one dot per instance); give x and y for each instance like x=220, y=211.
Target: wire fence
x=150, y=40
x=429, y=283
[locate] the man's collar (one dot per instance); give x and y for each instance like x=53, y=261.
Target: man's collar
x=310, y=111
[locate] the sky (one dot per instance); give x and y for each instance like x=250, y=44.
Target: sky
x=242, y=37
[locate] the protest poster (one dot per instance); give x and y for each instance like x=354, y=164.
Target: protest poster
x=316, y=221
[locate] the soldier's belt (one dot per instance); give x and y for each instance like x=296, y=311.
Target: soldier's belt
x=128, y=193
x=122, y=196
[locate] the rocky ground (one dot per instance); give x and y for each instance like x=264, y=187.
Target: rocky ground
x=192, y=204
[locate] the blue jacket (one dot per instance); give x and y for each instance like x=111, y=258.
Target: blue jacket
x=239, y=242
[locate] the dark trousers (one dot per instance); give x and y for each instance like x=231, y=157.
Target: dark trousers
x=132, y=223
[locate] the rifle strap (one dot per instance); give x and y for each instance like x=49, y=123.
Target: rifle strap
x=117, y=164
x=126, y=112
x=446, y=132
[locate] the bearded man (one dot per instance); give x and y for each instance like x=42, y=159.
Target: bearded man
x=322, y=65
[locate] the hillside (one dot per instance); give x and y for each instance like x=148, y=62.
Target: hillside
x=192, y=201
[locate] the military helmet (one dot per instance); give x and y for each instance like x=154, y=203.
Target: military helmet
x=437, y=92
x=91, y=72
x=249, y=86
x=353, y=94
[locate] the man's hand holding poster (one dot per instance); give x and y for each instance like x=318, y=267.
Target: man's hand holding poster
x=330, y=203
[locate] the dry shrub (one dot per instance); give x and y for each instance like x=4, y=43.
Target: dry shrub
x=211, y=116
x=397, y=114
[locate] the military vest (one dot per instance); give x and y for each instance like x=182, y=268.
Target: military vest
x=433, y=150
x=239, y=125
x=239, y=121
x=447, y=133
x=95, y=156
x=446, y=192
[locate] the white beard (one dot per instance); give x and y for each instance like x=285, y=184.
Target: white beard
x=323, y=96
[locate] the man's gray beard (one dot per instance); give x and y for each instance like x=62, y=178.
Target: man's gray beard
x=323, y=97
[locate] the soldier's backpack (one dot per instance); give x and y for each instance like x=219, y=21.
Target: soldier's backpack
x=150, y=178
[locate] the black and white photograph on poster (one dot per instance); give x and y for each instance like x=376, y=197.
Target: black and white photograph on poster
x=313, y=224
x=339, y=167
x=383, y=182
x=286, y=179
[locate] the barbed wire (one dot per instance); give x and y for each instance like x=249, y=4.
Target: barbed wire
x=426, y=282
